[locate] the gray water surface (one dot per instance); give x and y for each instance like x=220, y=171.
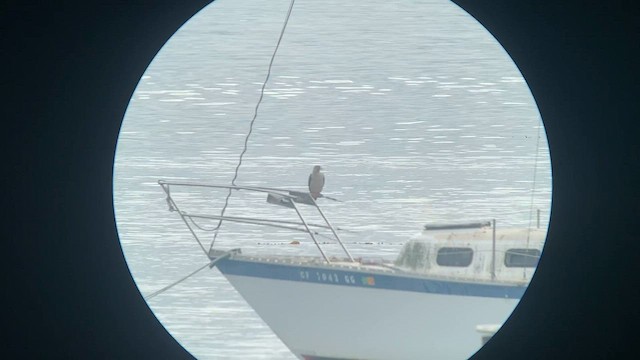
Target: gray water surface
x=413, y=109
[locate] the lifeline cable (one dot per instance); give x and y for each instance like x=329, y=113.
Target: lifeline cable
x=255, y=114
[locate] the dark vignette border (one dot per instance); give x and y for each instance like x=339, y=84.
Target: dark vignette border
x=71, y=67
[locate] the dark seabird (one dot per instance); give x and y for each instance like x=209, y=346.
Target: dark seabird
x=316, y=182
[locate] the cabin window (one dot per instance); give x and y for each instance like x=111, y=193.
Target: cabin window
x=454, y=256
x=521, y=257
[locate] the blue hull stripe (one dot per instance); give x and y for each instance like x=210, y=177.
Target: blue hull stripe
x=345, y=277
x=310, y=357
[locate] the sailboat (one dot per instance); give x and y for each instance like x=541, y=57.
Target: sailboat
x=445, y=283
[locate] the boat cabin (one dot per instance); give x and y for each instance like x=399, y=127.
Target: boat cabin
x=473, y=252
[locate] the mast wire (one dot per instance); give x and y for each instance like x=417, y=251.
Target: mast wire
x=533, y=186
x=255, y=115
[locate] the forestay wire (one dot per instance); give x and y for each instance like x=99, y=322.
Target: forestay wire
x=255, y=115
x=233, y=182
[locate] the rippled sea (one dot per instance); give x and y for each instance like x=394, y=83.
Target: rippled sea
x=413, y=109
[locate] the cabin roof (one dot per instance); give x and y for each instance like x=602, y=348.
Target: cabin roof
x=487, y=234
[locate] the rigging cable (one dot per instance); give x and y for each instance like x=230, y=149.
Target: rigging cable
x=533, y=186
x=255, y=114
x=197, y=225
x=153, y=294
x=210, y=265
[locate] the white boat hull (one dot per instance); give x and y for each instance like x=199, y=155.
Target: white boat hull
x=333, y=321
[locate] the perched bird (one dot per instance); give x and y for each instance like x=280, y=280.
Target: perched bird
x=316, y=182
